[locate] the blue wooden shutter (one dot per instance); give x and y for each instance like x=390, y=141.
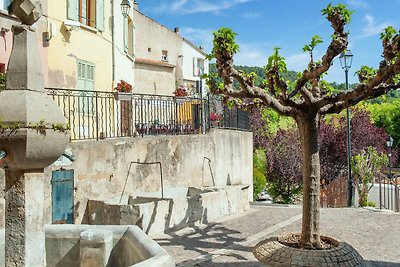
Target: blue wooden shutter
x=63, y=196
x=100, y=15
x=72, y=9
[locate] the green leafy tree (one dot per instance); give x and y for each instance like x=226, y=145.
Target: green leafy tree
x=306, y=102
x=387, y=115
x=366, y=167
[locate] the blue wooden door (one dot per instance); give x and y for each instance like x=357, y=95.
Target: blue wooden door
x=63, y=196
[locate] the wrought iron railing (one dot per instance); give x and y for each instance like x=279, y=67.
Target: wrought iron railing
x=235, y=119
x=97, y=115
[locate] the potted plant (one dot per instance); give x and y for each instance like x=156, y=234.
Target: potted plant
x=180, y=91
x=123, y=91
x=215, y=118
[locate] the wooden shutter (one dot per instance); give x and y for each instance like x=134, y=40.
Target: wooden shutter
x=126, y=35
x=132, y=29
x=195, y=66
x=72, y=9
x=100, y=15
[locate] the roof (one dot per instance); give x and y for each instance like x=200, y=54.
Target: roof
x=194, y=46
x=153, y=62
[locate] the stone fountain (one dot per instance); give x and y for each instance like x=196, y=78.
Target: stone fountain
x=33, y=134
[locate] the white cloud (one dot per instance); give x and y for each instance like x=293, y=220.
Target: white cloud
x=251, y=15
x=298, y=62
x=198, y=6
x=372, y=28
x=199, y=37
x=252, y=54
x=358, y=4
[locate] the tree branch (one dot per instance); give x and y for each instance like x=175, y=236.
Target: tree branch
x=338, y=44
x=352, y=98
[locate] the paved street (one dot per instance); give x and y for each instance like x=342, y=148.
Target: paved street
x=375, y=234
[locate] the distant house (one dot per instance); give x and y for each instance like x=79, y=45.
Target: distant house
x=195, y=65
x=80, y=45
x=164, y=59
x=158, y=62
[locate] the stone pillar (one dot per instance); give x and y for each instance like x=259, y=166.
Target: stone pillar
x=29, y=139
x=24, y=235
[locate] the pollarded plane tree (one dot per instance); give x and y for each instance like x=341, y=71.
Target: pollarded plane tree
x=309, y=98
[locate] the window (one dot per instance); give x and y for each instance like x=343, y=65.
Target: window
x=87, y=12
x=129, y=31
x=85, y=83
x=198, y=66
x=164, y=55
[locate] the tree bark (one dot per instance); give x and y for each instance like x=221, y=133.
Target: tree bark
x=310, y=232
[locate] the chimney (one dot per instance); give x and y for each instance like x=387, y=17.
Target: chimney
x=135, y=5
x=176, y=30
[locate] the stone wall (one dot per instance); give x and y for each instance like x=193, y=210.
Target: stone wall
x=102, y=169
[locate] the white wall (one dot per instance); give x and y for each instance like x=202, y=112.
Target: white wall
x=124, y=64
x=151, y=39
x=189, y=53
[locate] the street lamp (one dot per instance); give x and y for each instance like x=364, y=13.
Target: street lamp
x=125, y=8
x=389, y=144
x=346, y=58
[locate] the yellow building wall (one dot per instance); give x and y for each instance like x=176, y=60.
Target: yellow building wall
x=85, y=43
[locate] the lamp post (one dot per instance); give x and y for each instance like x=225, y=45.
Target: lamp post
x=346, y=58
x=125, y=8
x=389, y=144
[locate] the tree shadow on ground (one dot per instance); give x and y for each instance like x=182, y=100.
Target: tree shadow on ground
x=213, y=236
x=204, y=240
x=381, y=264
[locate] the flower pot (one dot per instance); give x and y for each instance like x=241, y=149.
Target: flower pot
x=122, y=96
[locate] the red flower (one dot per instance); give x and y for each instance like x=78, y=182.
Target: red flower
x=215, y=116
x=124, y=87
x=180, y=91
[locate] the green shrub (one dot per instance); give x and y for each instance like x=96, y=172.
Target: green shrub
x=259, y=181
x=284, y=193
x=259, y=170
x=2, y=81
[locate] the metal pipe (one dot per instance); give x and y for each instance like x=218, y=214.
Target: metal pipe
x=144, y=163
x=390, y=177
x=350, y=200
x=112, y=43
x=380, y=192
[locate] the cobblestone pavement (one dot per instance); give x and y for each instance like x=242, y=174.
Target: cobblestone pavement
x=375, y=234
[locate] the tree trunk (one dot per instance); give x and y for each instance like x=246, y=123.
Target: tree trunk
x=310, y=232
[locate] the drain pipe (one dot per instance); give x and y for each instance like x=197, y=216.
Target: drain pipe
x=112, y=43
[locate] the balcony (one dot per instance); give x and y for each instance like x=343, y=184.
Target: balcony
x=97, y=115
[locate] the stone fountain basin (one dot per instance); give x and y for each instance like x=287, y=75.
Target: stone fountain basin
x=93, y=245
x=178, y=209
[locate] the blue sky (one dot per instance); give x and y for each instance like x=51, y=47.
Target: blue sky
x=262, y=25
